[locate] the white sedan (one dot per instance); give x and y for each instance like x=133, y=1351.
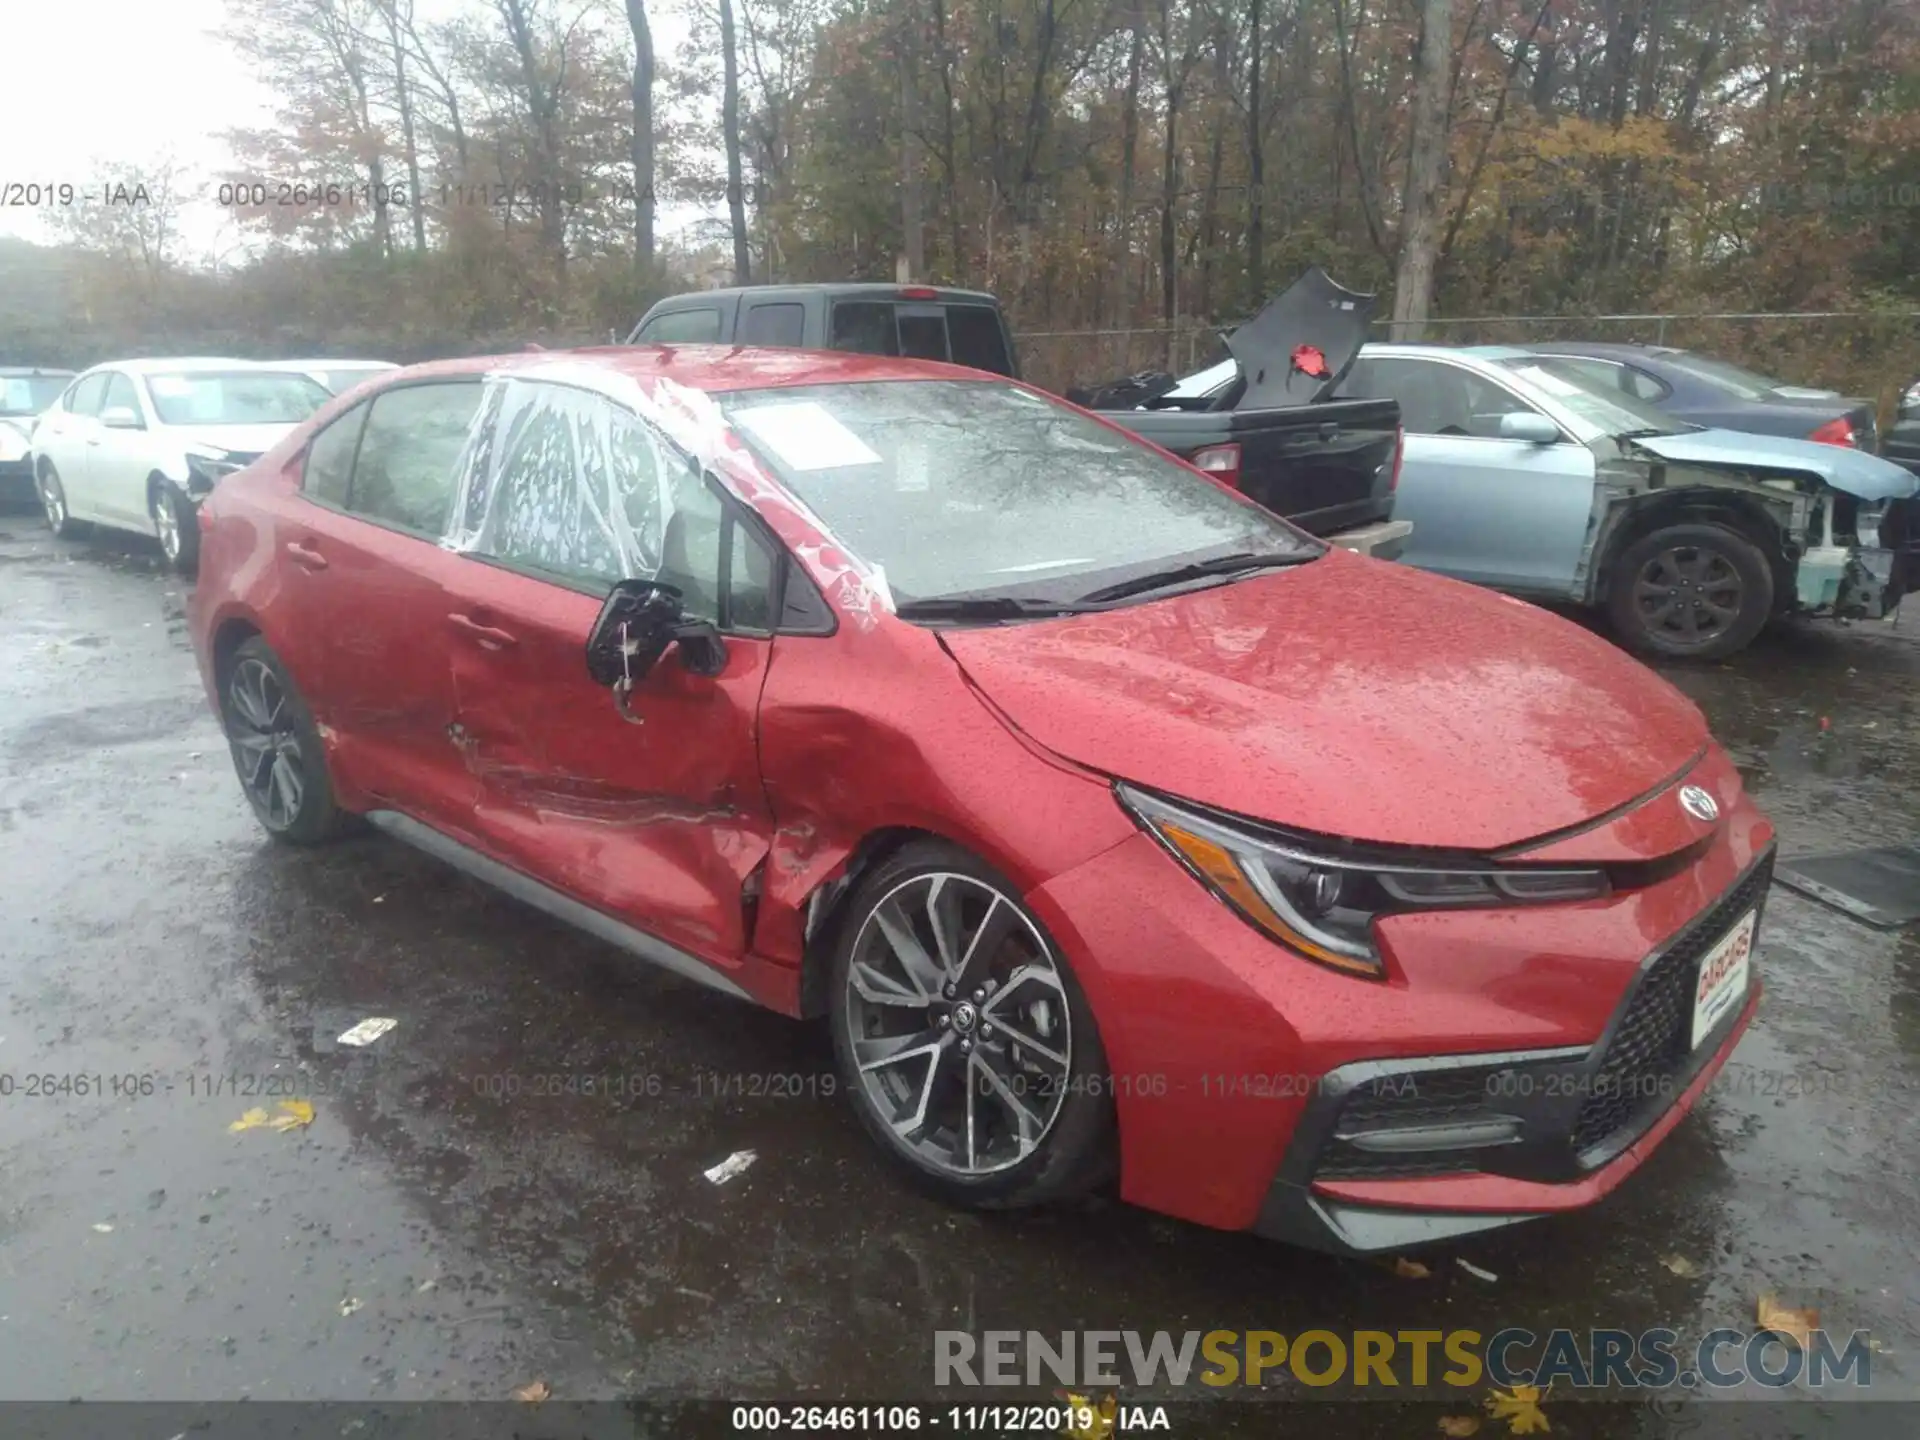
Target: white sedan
x=135, y=444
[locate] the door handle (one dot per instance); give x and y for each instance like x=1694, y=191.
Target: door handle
x=488, y=635
x=93, y=439
x=305, y=556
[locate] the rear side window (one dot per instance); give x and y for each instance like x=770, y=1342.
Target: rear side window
x=864, y=327
x=404, y=475
x=782, y=324
x=1644, y=386
x=85, y=397
x=978, y=338
x=328, y=474
x=682, y=327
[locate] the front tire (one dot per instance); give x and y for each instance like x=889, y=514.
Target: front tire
x=276, y=749
x=963, y=1038
x=1695, y=591
x=175, y=525
x=53, y=502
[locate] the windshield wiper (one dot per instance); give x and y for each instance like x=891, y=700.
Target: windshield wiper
x=989, y=607
x=1643, y=431
x=1239, y=563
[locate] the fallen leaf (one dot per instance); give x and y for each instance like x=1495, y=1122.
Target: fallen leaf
x=1410, y=1269
x=1795, y=1324
x=1520, y=1409
x=298, y=1113
x=533, y=1392
x=252, y=1120
x=1100, y=1418
x=1680, y=1265
x=349, y=1305
x=1459, y=1426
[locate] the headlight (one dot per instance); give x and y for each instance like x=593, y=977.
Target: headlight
x=1320, y=902
x=207, y=467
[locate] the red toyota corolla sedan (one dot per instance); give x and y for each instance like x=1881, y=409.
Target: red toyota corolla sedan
x=1116, y=827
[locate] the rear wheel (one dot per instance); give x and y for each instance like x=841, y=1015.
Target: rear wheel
x=1694, y=591
x=963, y=1037
x=276, y=749
x=175, y=525
x=53, y=501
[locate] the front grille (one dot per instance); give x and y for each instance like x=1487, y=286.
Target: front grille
x=1647, y=1053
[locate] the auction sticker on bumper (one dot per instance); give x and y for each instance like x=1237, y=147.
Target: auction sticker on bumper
x=1722, y=982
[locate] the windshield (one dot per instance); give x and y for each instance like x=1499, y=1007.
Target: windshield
x=1598, y=408
x=30, y=394
x=235, y=397
x=970, y=488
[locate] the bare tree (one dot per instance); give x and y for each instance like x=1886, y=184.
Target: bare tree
x=643, y=166
x=730, y=128
x=1426, y=161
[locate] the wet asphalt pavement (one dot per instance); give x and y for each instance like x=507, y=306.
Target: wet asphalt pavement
x=440, y=1230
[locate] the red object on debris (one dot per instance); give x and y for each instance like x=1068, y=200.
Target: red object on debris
x=1308, y=360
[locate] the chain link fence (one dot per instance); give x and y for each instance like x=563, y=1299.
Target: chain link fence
x=1872, y=354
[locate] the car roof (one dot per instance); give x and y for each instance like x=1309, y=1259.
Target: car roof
x=713, y=368
x=1602, y=349
x=335, y=364
x=858, y=289
x=180, y=364
x=1421, y=347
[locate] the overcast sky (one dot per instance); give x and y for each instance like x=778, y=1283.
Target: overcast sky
x=97, y=90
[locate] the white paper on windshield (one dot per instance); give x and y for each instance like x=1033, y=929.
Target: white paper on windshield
x=806, y=437
x=1548, y=381
x=910, y=469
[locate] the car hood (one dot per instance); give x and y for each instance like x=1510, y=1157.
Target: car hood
x=1313, y=311
x=1348, y=697
x=1844, y=468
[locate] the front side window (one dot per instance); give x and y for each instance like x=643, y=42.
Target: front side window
x=1435, y=398
x=961, y=488
x=86, y=396
x=410, y=454
x=120, y=396
x=235, y=397
x=588, y=493
x=328, y=473
x=682, y=327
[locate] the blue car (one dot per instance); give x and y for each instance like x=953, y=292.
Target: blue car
x=1703, y=390
x=1525, y=473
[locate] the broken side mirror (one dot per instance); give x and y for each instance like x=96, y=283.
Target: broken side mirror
x=637, y=624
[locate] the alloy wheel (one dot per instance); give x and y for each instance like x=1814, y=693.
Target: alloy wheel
x=266, y=748
x=166, y=524
x=53, y=500
x=1689, y=593
x=959, y=1024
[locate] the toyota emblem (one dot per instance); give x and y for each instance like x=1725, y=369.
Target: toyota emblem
x=1698, y=803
